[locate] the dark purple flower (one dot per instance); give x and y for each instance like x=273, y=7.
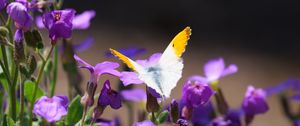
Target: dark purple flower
x=109, y=96
x=80, y=21
x=101, y=68
x=19, y=13
x=59, y=23
x=215, y=69
x=297, y=123
x=144, y=123
x=202, y=115
x=51, y=109
x=129, y=52
x=220, y=121
x=182, y=122
x=255, y=101
x=2, y=4
x=18, y=37
x=136, y=95
x=234, y=117
x=196, y=93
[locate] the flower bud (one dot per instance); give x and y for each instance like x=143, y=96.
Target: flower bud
x=182, y=122
x=24, y=70
x=19, y=54
x=174, y=111
x=31, y=62
x=152, y=104
x=3, y=31
x=98, y=111
x=33, y=39
x=88, y=98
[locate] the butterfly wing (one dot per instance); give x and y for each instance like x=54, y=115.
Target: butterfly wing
x=149, y=78
x=171, y=62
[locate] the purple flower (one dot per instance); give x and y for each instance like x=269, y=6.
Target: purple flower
x=220, y=121
x=81, y=21
x=109, y=97
x=19, y=13
x=59, y=23
x=2, y=4
x=182, y=122
x=255, y=101
x=215, y=69
x=130, y=78
x=144, y=123
x=129, y=52
x=288, y=84
x=51, y=109
x=297, y=123
x=101, y=68
x=196, y=93
x=201, y=115
x=136, y=95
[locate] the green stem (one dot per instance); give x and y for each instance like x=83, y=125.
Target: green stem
x=13, y=98
x=153, y=117
x=22, y=100
x=83, y=115
x=53, y=80
x=39, y=78
x=4, y=54
x=5, y=73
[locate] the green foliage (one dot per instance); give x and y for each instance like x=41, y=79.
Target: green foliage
x=75, y=111
x=28, y=90
x=162, y=117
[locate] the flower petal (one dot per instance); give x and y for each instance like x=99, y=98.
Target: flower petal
x=39, y=22
x=84, y=45
x=231, y=69
x=86, y=65
x=213, y=69
x=135, y=95
x=82, y=21
x=107, y=68
x=130, y=78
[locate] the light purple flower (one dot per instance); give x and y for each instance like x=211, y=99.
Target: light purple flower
x=18, y=37
x=2, y=4
x=130, y=78
x=220, y=121
x=255, y=101
x=81, y=21
x=51, y=109
x=283, y=86
x=101, y=68
x=135, y=95
x=144, y=123
x=196, y=94
x=59, y=23
x=182, y=122
x=20, y=15
x=215, y=69
x=109, y=97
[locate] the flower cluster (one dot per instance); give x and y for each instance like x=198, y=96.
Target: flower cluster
x=28, y=68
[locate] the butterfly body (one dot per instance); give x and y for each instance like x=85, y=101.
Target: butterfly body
x=163, y=75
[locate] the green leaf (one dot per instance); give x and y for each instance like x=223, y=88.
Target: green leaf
x=74, y=112
x=163, y=116
x=10, y=121
x=29, y=89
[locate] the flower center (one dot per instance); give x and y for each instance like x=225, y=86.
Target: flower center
x=57, y=16
x=49, y=100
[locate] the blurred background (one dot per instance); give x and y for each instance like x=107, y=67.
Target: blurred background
x=260, y=36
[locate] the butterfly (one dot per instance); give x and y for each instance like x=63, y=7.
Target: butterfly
x=164, y=75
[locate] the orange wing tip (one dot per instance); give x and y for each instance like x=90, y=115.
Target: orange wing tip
x=122, y=57
x=188, y=32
